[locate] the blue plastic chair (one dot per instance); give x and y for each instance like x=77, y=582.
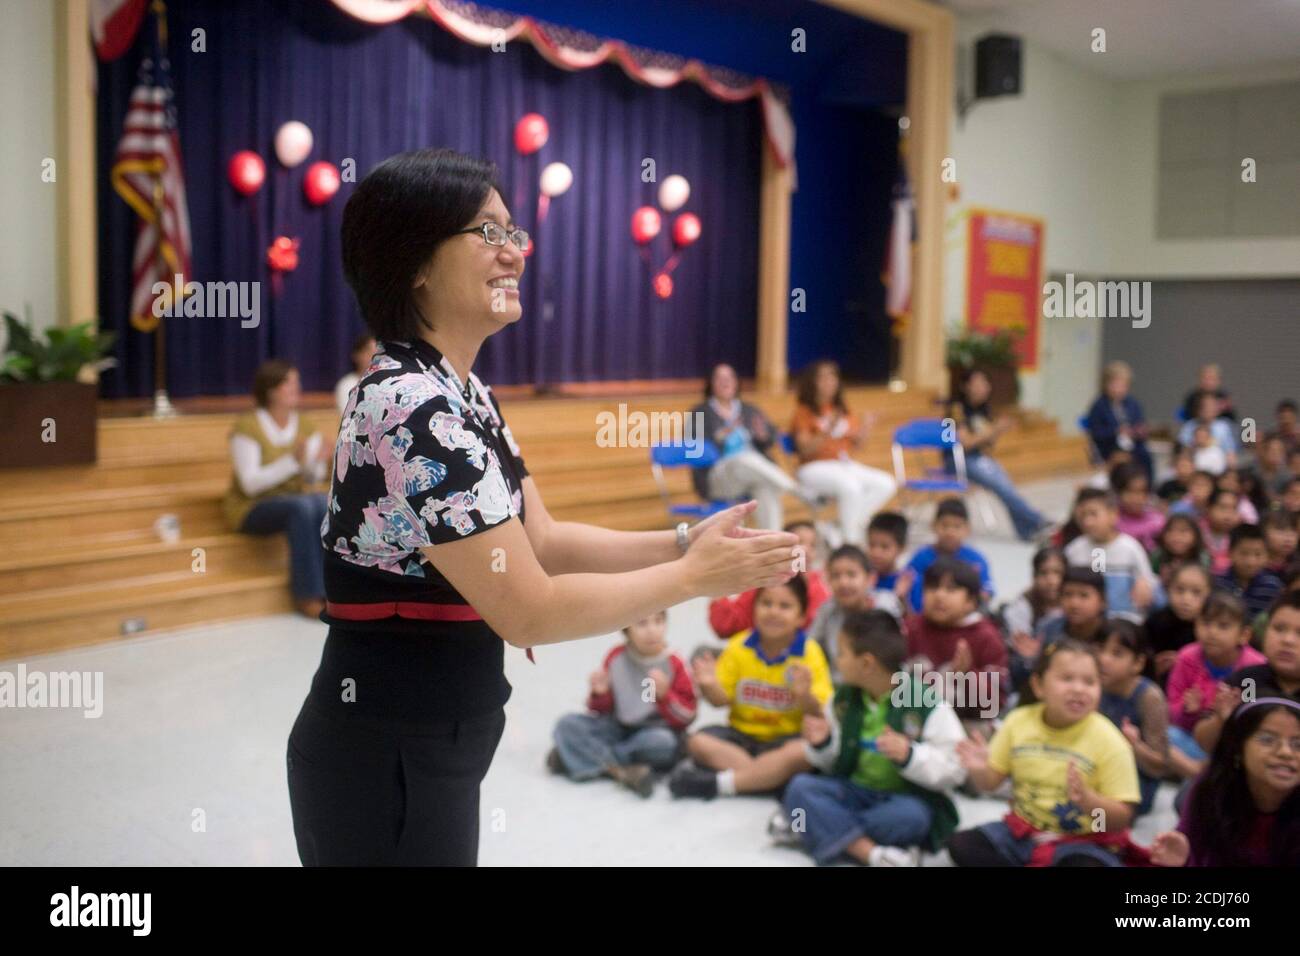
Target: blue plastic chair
x=932, y=433
x=677, y=456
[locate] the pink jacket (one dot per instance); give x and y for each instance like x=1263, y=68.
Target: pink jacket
x=1190, y=671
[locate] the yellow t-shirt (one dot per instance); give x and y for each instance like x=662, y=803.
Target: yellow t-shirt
x=1038, y=756
x=762, y=704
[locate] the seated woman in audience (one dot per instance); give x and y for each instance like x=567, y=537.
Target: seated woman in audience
x=825, y=432
x=363, y=347
x=743, y=436
x=1209, y=381
x=977, y=432
x=1070, y=769
x=1115, y=419
x=1245, y=809
x=275, y=459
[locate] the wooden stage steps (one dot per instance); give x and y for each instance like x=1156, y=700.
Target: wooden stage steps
x=80, y=563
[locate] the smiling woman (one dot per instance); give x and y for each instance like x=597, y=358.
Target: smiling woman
x=438, y=548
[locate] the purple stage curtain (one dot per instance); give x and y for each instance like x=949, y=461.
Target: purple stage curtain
x=370, y=91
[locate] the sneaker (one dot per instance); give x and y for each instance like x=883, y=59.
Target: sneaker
x=781, y=832
x=553, y=762
x=894, y=856
x=693, y=782
x=637, y=777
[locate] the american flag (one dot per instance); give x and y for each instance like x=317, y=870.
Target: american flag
x=147, y=174
x=898, y=254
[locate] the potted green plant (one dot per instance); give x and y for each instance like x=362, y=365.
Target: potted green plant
x=994, y=354
x=48, y=393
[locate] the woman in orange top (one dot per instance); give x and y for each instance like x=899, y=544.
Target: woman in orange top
x=825, y=433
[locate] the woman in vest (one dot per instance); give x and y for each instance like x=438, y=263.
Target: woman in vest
x=743, y=436
x=275, y=459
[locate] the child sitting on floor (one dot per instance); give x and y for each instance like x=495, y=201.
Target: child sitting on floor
x=1179, y=542
x=888, y=756
x=1248, y=578
x=951, y=529
x=1138, y=518
x=1220, y=650
x=769, y=678
x=1278, y=676
x=1245, y=810
x=1173, y=627
x=952, y=639
x=629, y=734
x=1134, y=703
x=1073, y=775
x=886, y=539
x=1131, y=585
x=728, y=616
x=1281, y=539
x=1082, y=617
x=851, y=582
x=1216, y=528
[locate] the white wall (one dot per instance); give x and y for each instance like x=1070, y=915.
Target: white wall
x=1133, y=195
x=1079, y=150
x=27, y=137
x=1047, y=153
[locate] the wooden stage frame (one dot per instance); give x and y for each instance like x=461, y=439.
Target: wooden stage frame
x=929, y=105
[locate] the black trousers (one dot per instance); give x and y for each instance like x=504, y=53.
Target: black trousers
x=369, y=792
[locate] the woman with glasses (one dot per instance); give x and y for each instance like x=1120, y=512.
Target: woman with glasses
x=438, y=548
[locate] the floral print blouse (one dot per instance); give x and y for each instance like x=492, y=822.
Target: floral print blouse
x=421, y=459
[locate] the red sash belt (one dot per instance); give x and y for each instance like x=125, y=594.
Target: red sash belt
x=415, y=610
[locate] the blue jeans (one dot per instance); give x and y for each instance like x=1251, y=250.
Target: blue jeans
x=986, y=472
x=300, y=516
x=1016, y=851
x=588, y=743
x=837, y=812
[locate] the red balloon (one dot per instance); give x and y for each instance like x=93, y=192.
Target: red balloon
x=686, y=229
x=645, y=224
x=531, y=133
x=663, y=285
x=320, y=183
x=246, y=172
x=282, y=255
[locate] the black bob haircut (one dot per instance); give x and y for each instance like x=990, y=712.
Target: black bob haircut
x=877, y=633
x=962, y=574
x=891, y=523
x=397, y=216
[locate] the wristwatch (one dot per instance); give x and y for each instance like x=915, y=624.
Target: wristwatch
x=683, y=536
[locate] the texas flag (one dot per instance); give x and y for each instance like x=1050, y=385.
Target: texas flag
x=114, y=24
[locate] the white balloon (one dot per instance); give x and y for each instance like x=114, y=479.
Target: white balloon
x=293, y=142
x=556, y=179
x=673, y=193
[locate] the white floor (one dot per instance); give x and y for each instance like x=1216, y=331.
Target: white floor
x=186, y=764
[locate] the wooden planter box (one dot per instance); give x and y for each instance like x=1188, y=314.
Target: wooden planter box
x=25, y=406
x=1005, y=382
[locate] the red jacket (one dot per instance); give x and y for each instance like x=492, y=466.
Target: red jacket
x=731, y=615
x=939, y=644
x=677, y=707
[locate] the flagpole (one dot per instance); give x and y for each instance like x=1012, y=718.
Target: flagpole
x=162, y=405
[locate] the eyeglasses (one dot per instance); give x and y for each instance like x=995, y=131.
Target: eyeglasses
x=1273, y=742
x=495, y=234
